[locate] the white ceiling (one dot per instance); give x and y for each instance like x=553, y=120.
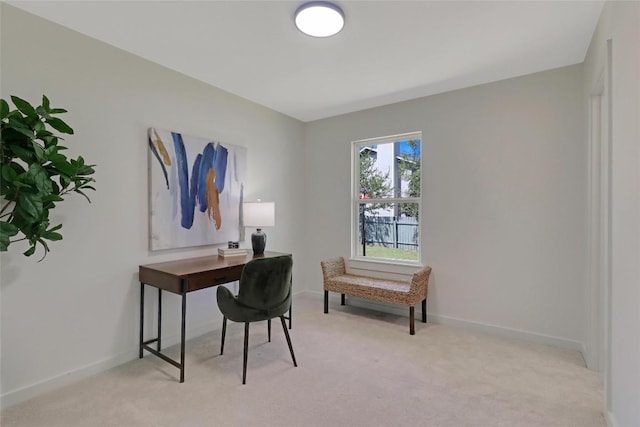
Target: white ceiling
x=389, y=51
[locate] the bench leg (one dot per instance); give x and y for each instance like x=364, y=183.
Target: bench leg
x=341, y=299
x=412, y=320
x=326, y=301
x=424, y=310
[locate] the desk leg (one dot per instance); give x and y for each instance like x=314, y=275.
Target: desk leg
x=159, y=318
x=182, y=336
x=141, y=317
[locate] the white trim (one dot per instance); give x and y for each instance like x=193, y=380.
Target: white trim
x=356, y=202
x=598, y=334
x=610, y=419
x=389, y=138
x=22, y=394
x=596, y=205
x=14, y=397
x=510, y=333
x=607, y=216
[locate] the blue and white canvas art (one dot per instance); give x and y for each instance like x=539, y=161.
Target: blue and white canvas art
x=196, y=189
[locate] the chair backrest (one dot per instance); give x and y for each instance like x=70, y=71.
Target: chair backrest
x=265, y=283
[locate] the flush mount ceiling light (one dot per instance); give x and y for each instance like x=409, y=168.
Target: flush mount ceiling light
x=319, y=19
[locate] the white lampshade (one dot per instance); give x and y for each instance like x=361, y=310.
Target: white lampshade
x=259, y=214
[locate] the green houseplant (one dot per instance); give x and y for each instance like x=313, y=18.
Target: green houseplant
x=34, y=174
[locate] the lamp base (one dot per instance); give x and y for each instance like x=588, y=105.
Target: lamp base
x=258, y=242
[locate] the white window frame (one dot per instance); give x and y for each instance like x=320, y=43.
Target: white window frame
x=356, y=201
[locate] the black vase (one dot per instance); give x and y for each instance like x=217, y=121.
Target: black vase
x=258, y=242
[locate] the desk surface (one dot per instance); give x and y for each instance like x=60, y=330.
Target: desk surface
x=191, y=274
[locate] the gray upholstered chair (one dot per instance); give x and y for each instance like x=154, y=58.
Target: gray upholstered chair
x=264, y=293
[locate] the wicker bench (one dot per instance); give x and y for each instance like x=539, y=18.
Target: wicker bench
x=409, y=293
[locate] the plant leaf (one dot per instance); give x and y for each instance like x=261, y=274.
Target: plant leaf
x=4, y=243
x=38, y=151
x=85, y=196
x=50, y=235
x=52, y=197
x=25, y=155
x=30, y=251
x=6, y=228
x=64, y=181
x=39, y=128
x=19, y=184
x=50, y=141
x=4, y=109
x=8, y=173
x=55, y=228
x=59, y=125
x=22, y=130
x=34, y=175
x=30, y=204
x=43, y=243
x=60, y=162
x=42, y=112
x=40, y=178
x=24, y=107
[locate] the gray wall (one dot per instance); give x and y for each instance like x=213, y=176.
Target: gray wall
x=76, y=312
x=503, y=222
x=504, y=200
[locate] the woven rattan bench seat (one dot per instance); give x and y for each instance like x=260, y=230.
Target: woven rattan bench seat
x=392, y=291
x=410, y=293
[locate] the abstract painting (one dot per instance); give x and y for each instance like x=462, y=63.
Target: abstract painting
x=195, y=190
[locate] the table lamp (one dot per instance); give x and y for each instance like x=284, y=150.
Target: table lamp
x=259, y=214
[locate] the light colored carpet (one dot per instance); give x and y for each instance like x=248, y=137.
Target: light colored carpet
x=356, y=367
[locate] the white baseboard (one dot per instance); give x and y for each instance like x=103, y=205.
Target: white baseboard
x=511, y=333
x=14, y=397
x=583, y=352
x=21, y=394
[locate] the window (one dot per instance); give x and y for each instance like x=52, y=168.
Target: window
x=386, y=198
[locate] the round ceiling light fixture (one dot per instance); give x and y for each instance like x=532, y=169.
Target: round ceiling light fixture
x=319, y=18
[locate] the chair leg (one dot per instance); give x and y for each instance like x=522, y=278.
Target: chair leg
x=412, y=320
x=342, y=299
x=269, y=329
x=424, y=310
x=326, y=301
x=224, y=332
x=286, y=334
x=246, y=352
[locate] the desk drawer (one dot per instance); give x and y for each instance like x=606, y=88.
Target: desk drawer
x=214, y=278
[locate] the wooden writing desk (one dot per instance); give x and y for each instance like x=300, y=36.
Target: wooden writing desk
x=184, y=276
